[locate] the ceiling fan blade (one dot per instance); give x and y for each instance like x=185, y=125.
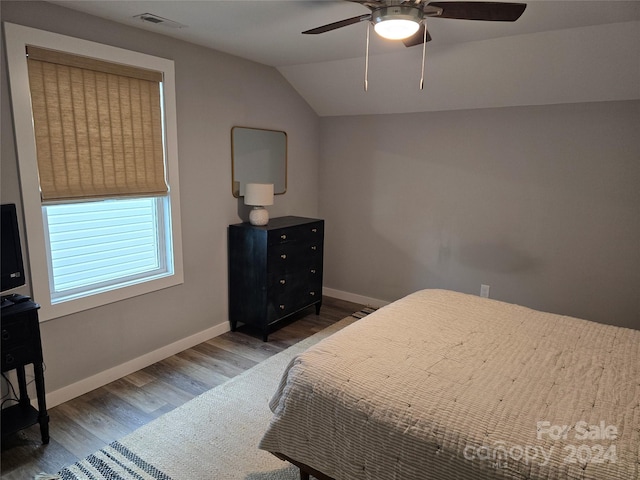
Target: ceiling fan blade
x=340, y=24
x=370, y=3
x=417, y=38
x=490, y=11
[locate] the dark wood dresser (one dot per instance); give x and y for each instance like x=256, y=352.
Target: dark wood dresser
x=274, y=271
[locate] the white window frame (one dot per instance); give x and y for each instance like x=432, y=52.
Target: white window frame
x=17, y=37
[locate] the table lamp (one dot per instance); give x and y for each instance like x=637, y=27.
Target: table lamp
x=258, y=195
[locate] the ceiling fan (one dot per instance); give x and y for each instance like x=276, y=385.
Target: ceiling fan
x=405, y=20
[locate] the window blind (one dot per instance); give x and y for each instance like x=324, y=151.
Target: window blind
x=98, y=127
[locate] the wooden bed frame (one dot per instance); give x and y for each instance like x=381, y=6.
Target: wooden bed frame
x=305, y=470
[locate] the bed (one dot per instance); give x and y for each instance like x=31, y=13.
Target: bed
x=441, y=385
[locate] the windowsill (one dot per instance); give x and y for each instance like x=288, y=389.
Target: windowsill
x=51, y=311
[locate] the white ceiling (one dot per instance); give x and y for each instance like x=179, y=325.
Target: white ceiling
x=332, y=64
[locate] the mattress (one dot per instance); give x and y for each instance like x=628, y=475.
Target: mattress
x=441, y=385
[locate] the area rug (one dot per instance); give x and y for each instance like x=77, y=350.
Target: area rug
x=213, y=436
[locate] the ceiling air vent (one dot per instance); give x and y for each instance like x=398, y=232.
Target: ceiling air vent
x=157, y=20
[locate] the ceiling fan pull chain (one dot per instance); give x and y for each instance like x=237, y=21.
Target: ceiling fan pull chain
x=366, y=61
x=424, y=54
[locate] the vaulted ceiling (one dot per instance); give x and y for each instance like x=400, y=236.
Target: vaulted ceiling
x=557, y=52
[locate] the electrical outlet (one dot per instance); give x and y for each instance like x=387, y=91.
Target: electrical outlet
x=484, y=291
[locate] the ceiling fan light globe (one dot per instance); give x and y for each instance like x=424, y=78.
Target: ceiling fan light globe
x=396, y=28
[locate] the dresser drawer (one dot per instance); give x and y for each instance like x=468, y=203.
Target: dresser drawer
x=286, y=303
x=310, y=274
x=18, y=356
x=15, y=333
x=293, y=256
x=293, y=284
x=311, y=232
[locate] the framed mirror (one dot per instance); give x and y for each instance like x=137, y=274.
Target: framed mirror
x=258, y=156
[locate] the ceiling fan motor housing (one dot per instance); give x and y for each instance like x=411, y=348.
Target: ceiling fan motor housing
x=397, y=12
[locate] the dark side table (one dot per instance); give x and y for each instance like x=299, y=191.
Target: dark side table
x=21, y=346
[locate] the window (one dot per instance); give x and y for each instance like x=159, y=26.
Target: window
x=101, y=200
x=97, y=246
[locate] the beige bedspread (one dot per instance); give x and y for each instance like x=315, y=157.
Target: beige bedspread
x=443, y=385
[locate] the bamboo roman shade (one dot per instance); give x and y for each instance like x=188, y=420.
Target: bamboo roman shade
x=98, y=127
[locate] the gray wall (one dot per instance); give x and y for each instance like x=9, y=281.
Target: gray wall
x=214, y=92
x=540, y=203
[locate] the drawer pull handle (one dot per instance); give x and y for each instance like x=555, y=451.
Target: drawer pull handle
x=5, y=335
x=314, y=230
x=9, y=359
x=283, y=237
x=281, y=307
x=313, y=270
x=283, y=281
x=314, y=248
x=312, y=293
x=283, y=256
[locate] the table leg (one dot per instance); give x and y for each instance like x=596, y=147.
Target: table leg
x=43, y=416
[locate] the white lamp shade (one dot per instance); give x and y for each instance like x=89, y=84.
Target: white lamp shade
x=258, y=194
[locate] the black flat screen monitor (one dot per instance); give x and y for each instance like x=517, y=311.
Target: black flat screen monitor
x=11, y=261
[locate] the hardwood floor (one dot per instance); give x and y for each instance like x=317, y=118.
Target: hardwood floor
x=87, y=423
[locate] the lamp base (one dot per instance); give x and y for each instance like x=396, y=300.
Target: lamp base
x=259, y=216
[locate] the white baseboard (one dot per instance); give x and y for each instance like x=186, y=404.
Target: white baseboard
x=354, y=297
x=100, y=379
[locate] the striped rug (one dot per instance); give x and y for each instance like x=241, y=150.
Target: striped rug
x=114, y=462
x=364, y=312
x=213, y=436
